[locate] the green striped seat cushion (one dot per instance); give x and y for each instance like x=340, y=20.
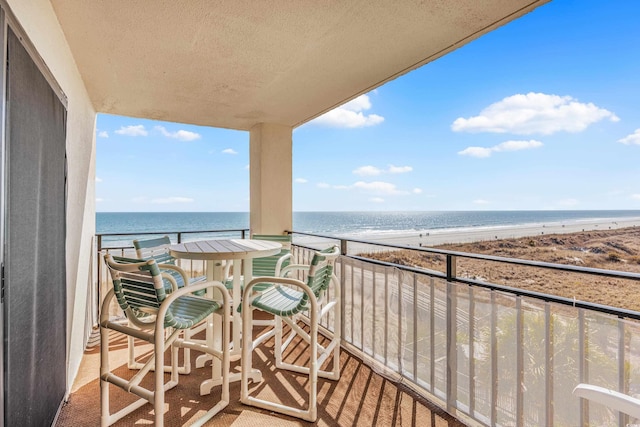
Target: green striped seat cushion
x=287, y=301
x=187, y=311
x=280, y=300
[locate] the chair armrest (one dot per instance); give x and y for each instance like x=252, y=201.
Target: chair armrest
x=609, y=398
x=104, y=309
x=226, y=273
x=196, y=287
x=185, y=278
x=293, y=267
x=281, y=260
x=270, y=279
x=171, y=279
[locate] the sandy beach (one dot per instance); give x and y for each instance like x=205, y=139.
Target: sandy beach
x=598, y=246
x=430, y=238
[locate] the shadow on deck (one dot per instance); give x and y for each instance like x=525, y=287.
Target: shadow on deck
x=360, y=397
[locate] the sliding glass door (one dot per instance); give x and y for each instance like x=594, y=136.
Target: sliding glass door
x=34, y=215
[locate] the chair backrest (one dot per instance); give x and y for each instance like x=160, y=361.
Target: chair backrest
x=320, y=273
x=267, y=266
x=157, y=249
x=321, y=269
x=137, y=284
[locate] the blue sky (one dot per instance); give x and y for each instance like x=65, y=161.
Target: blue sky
x=543, y=113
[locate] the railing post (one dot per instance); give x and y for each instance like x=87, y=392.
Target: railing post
x=471, y=344
x=519, y=362
x=432, y=334
x=386, y=317
x=548, y=351
x=373, y=312
x=179, y=237
x=623, y=419
x=494, y=360
x=583, y=345
x=99, y=270
x=452, y=335
x=451, y=268
x=415, y=332
x=343, y=247
x=343, y=299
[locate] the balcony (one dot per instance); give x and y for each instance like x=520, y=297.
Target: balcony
x=250, y=65
x=421, y=344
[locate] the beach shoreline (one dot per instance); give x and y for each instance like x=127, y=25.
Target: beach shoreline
x=432, y=238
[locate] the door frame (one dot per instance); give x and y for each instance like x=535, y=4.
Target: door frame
x=8, y=20
x=3, y=161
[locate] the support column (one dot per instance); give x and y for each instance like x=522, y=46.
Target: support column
x=270, y=177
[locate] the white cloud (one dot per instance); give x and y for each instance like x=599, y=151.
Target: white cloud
x=399, y=169
x=247, y=167
x=633, y=139
x=103, y=134
x=481, y=202
x=323, y=185
x=417, y=191
x=301, y=180
x=534, y=113
x=229, y=151
x=374, y=171
x=376, y=200
x=182, y=135
x=168, y=200
x=360, y=103
x=137, y=130
x=99, y=199
x=636, y=196
x=98, y=179
x=480, y=152
x=350, y=115
x=367, y=171
x=483, y=152
x=517, y=145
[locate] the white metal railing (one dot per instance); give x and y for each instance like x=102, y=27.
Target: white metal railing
x=487, y=356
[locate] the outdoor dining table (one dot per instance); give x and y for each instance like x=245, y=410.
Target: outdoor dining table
x=214, y=252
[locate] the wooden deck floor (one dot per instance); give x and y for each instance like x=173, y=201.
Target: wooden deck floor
x=361, y=396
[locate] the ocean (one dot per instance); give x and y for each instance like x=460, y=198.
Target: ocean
x=349, y=224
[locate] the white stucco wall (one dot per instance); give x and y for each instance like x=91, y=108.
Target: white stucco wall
x=41, y=25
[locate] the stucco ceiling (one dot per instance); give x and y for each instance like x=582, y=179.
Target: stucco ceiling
x=233, y=64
